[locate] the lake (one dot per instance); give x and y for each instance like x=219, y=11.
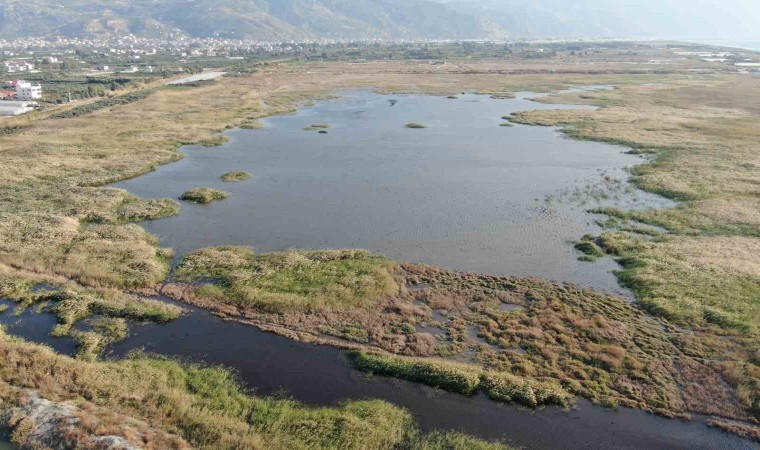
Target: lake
x=464, y=193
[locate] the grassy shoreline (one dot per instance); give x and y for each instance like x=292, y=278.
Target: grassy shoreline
x=158, y=403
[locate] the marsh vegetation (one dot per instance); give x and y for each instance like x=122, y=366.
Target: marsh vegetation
x=317, y=127
x=292, y=281
x=232, y=177
x=561, y=342
x=203, y=195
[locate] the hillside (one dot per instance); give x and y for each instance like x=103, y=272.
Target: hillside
x=253, y=19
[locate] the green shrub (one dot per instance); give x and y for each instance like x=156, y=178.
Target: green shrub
x=512, y=388
x=231, y=177
x=449, y=376
x=101, y=104
x=203, y=195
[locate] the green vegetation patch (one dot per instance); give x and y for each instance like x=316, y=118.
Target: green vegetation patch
x=134, y=209
x=590, y=250
x=203, y=195
x=231, y=177
x=446, y=375
x=352, y=332
x=295, y=280
x=464, y=379
x=506, y=387
x=102, y=104
x=668, y=277
x=414, y=125
x=317, y=127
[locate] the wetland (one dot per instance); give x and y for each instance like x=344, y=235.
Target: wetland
x=464, y=193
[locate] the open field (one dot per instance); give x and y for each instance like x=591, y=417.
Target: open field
x=698, y=284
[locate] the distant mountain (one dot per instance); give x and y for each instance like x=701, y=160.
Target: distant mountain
x=613, y=18
x=281, y=20
x=254, y=19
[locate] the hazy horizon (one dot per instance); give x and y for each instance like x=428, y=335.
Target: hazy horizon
x=672, y=19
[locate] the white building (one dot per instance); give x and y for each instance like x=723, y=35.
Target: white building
x=8, y=108
x=26, y=91
x=18, y=66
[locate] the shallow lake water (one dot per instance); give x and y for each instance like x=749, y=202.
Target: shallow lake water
x=464, y=193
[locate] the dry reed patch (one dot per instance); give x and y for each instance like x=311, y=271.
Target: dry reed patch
x=123, y=256
x=739, y=210
x=734, y=255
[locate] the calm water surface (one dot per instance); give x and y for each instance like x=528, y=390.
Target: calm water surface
x=464, y=193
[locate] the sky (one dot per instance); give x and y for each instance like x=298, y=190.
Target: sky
x=716, y=19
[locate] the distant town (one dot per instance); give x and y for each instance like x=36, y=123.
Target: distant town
x=43, y=72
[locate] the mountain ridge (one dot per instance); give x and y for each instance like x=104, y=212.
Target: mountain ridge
x=245, y=19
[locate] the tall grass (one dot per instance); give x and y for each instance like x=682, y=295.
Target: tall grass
x=205, y=407
x=203, y=195
x=294, y=280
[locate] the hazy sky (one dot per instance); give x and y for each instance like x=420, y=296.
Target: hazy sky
x=663, y=18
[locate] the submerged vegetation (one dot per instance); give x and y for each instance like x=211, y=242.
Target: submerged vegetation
x=203, y=195
x=317, y=127
x=231, y=177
